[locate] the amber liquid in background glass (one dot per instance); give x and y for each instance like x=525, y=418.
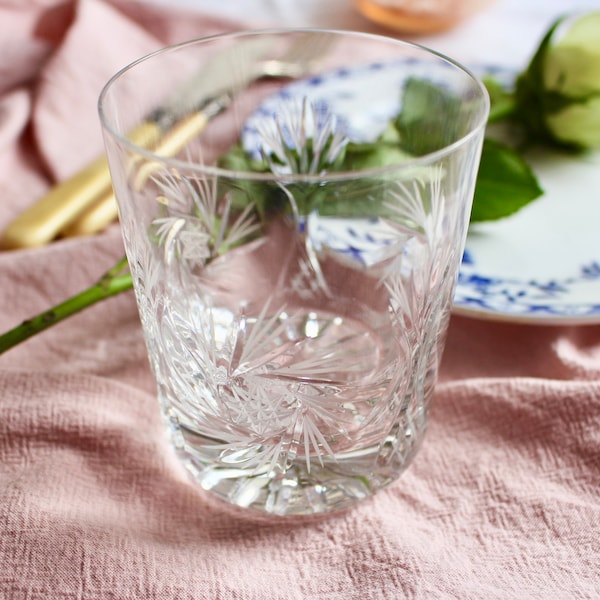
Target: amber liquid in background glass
x=419, y=16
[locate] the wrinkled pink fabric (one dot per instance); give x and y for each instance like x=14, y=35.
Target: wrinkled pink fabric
x=501, y=502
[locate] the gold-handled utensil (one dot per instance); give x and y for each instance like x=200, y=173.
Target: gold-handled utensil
x=85, y=203
x=104, y=209
x=42, y=222
x=298, y=61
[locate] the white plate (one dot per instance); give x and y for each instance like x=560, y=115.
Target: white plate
x=541, y=265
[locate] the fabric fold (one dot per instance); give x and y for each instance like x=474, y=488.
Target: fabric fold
x=99, y=42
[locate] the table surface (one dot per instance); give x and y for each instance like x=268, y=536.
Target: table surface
x=500, y=503
x=506, y=33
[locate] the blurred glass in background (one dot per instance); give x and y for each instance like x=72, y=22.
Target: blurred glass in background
x=420, y=16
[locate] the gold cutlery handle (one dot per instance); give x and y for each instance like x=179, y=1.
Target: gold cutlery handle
x=95, y=218
x=40, y=223
x=104, y=210
x=171, y=143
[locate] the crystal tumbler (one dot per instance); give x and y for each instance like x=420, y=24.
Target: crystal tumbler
x=294, y=206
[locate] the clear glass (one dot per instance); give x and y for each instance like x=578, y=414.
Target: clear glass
x=294, y=306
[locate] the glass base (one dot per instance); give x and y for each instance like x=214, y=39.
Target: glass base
x=302, y=487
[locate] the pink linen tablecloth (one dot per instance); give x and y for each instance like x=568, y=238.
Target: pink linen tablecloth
x=502, y=501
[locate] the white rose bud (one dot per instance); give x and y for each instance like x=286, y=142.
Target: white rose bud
x=559, y=94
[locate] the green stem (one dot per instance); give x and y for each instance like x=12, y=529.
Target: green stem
x=113, y=282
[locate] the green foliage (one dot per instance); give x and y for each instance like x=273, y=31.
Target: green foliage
x=431, y=117
x=505, y=183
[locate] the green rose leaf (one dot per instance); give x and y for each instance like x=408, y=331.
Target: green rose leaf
x=505, y=183
x=244, y=192
x=502, y=102
x=383, y=152
x=429, y=119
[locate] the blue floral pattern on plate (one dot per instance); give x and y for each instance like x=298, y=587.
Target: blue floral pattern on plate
x=546, y=301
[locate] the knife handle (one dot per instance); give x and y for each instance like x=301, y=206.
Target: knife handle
x=171, y=143
x=104, y=210
x=40, y=223
x=94, y=218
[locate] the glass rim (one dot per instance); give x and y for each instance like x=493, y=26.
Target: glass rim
x=332, y=176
